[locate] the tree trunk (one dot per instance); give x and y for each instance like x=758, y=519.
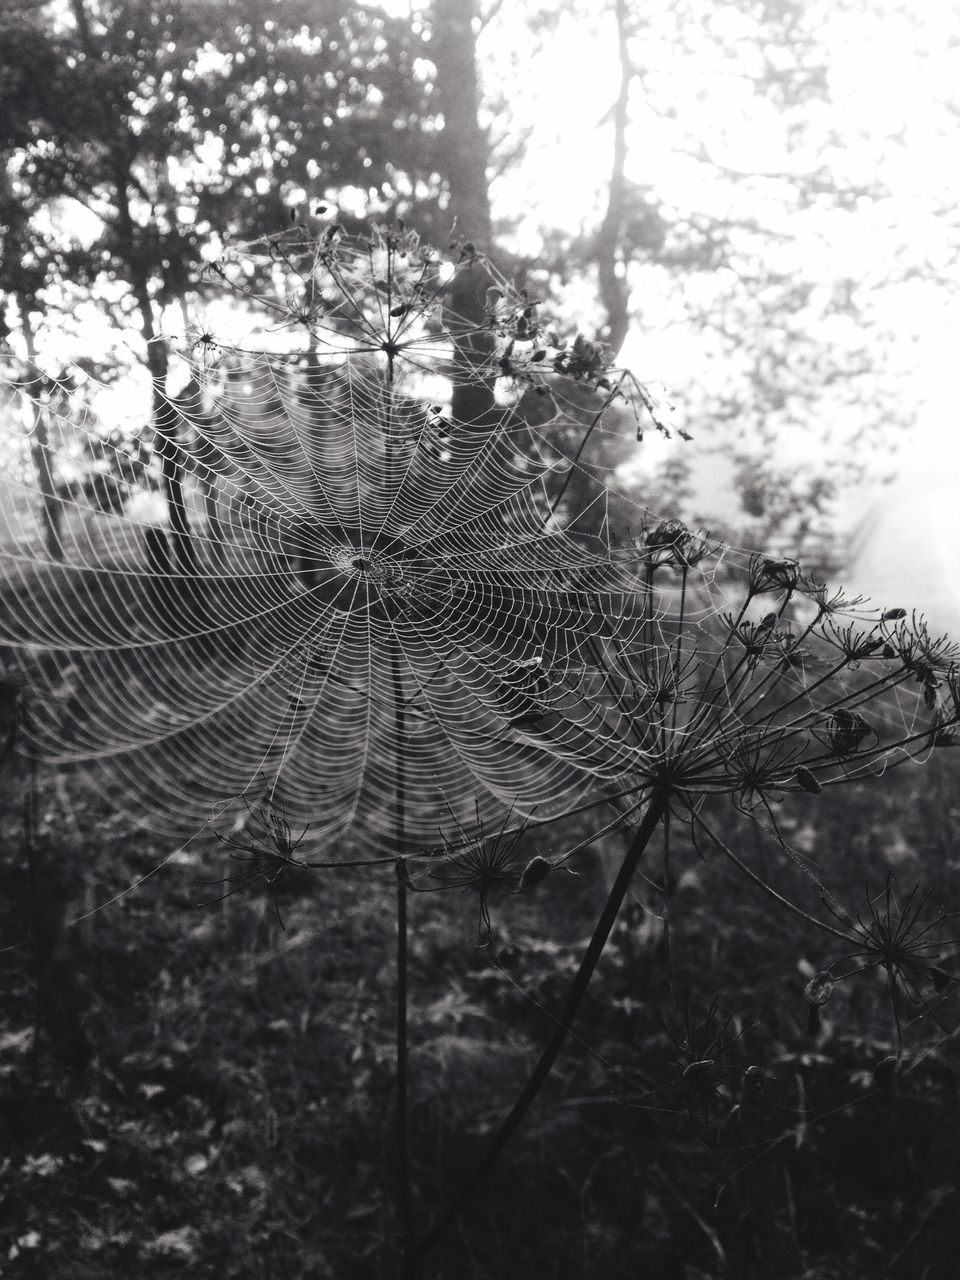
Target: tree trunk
x=51, y=509
x=164, y=417
x=613, y=283
x=465, y=154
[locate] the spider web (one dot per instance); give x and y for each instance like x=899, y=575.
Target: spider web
x=391, y=623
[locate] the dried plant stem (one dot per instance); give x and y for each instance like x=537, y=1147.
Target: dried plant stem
x=667, y=889
x=651, y=820
x=404, y=1195
x=612, y=395
x=762, y=884
x=30, y=814
x=403, y=1135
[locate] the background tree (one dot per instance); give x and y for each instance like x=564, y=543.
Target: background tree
x=223, y=118
x=165, y=122
x=755, y=249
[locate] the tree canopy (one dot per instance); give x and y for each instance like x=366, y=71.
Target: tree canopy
x=722, y=182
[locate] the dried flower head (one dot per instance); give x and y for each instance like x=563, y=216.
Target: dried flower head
x=848, y=732
x=772, y=575
x=900, y=936
x=482, y=862
x=761, y=765
x=265, y=851
x=703, y=1057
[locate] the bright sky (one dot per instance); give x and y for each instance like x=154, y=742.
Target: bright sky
x=889, y=80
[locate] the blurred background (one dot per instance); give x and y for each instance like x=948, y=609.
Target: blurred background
x=752, y=201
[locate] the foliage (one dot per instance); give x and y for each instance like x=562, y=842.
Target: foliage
x=163, y=123
x=772, y=245
x=220, y=124
x=230, y=1120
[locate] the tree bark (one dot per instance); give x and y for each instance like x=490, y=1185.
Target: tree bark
x=465, y=148
x=465, y=153
x=164, y=416
x=51, y=510
x=166, y=419
x=612, y=282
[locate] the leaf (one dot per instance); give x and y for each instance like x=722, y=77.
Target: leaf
x=44, y=1166
x=181, y=1241
x=16, y=1041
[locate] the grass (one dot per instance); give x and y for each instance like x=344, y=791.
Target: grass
x=235, y=1117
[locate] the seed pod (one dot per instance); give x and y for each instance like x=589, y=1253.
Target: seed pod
x=773, y=575
x=893, y=615
x=820, y=988
x=754, y=1081
x=866, y=648
x=808, y=781
x=848, y=730
x=698, y=1068
x=536, y=870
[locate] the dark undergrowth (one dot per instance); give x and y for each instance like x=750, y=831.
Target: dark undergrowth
x=204, y=1093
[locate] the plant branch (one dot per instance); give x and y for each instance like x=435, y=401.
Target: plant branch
x=651, y=820
x=405, y=1199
